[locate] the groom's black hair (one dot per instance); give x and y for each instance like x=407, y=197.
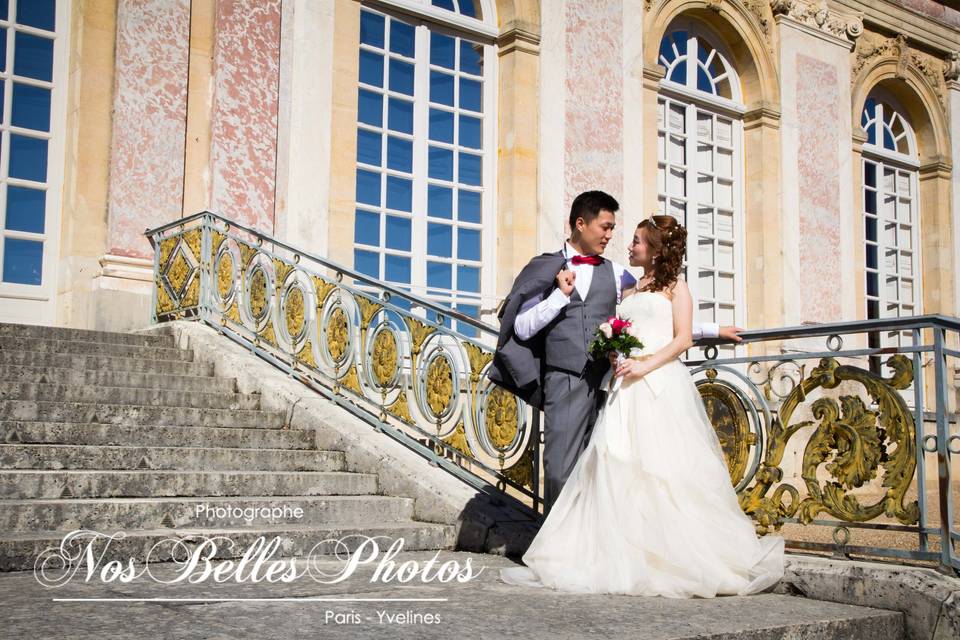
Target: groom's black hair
x=589, y=204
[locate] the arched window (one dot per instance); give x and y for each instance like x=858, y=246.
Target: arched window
x=890, y=210
x=424, y=148
x=699, y=168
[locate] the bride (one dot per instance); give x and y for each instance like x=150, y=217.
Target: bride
x=649, y=508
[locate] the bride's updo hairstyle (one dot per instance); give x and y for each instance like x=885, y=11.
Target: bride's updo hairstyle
x=668, y=240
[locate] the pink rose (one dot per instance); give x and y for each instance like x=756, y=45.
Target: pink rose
x=619, y=325
x=606, y=330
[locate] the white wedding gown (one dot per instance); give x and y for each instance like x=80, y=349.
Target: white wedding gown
x=649, y=508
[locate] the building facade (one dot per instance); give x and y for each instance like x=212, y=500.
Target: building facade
x=811, y=148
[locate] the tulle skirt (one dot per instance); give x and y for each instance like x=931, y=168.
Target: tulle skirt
x=649, y=508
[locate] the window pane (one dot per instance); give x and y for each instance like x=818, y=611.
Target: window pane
x=870, y=201
x=31, y=107
x=470, y=95
x=366, y=228
x=440, y=240
x=366, y=262
x=871, y=229
x=369, y=147
x=870, y=174
x=3, y=50
x=22, y=261
x=398, y=233
x=871, y=257
x=400, y=154
x=468, y=279
x=440, y=164
x=441, y=50
x=470, y=132
x=28, y=158
x=401, y=38
x=438, y=275
x=400, y=115
x=468, y=244
x=401, y=77
x=470, y=169
x=471, y=56
x=371, y=68
x=444, y=4
x=439, y=201
x=368, y=187
x=25, y=209
x=441, y=126
x=37, y=13
x=33, y=57
x=441, y=88
x=3, y=9
x=397, y=269
x=399, y=194
x=703, y=82
x=371, y=28
x=370, y=108
x=872, y=288
x=468, y=206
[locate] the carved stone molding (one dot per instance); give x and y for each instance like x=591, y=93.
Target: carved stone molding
x=872, y=48
x=819, y=17
x=951, y=70
x=758, y=9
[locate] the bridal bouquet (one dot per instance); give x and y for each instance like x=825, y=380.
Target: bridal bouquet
x=617, y=335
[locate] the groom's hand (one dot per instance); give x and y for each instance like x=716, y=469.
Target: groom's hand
x=565, y=281
x=730, y=333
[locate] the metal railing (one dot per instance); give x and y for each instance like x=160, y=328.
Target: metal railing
x=382, y=353
x=822, y=445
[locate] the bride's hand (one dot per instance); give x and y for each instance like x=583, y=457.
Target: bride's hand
x=631, y=370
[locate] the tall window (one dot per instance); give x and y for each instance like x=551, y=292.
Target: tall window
x=28, y=172
x=890, y=178
x=700, y=132
x=424, y=128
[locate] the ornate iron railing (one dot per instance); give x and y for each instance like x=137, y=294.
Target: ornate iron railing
x=382, y=353
x=840, y=427
x=820, y=444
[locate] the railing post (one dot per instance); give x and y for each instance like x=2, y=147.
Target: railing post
x=204, y=306
x=918, y=400
x=943, y=441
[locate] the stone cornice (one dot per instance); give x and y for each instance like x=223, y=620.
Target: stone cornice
x=517, y=36
x=895, y=18
x=817, y=18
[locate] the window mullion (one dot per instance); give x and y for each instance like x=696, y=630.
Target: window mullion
x=421, y=111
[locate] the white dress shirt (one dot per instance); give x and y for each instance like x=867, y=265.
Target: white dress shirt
x=537, y=312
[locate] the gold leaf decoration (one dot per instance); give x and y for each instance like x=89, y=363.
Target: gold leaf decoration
x=178, y=273
x=247, y=253
x=282, y=270
x=166, y=249
x=294, y=312
x=218, y=239
x=478, y=359
x=233, y=313
x=439, y=385
x=225, y=275
x=192, y=297
x=384, y=358
x=305, y=355
x=337, y=327
x=730, y=420
x=351, y=381
x=400, y=408
x=500, y=417
x=323, y=289
x=458, y=440
x=418, y=333
x=368, y=309
x=267, y=333
x=164, y=303
x=258, y=293
x=193, y=239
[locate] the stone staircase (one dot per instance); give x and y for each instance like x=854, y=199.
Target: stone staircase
x=123, y=432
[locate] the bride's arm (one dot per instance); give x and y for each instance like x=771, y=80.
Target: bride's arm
x=682, y=337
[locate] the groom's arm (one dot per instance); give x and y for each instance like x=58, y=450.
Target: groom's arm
x=538, y=312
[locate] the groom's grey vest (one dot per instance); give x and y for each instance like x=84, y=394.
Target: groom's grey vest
x=569, y=335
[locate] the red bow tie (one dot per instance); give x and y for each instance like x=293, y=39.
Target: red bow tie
x=592, y=260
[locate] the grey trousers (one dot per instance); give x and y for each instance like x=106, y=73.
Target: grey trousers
x=571, y=405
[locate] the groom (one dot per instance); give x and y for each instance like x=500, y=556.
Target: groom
x=546, y=325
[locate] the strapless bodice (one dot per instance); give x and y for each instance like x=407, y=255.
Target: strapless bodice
x=651, y=315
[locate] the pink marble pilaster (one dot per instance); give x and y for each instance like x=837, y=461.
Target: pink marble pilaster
x=593, y=153
x=149, y=120
x=246, y=73
x=818, y=109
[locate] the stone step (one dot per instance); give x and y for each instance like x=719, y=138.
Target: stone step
x=65, y=456
x=102, y=378
x=108, y=514
x=85, y=335
x=196, y=399
x=40, y=345
x=31, y=484
x=19, y=550
x=80, y=362
x=137, y=414
x=83, y=433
